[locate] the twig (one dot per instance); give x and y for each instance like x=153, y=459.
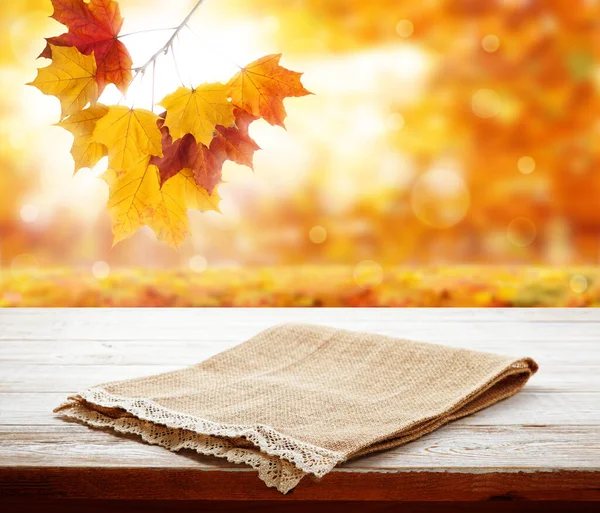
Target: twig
x=168, y=44
x=141, y=70
x=153, y=78
x=145, y=31
x=175, y=61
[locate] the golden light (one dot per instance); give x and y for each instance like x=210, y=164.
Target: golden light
x=521, y=231
x=317, y=234
x=368, y=273
x=579, y=284
x=486, y=103
x=29, y=213
x=404, y=28
x=100, y=270
x=198, y=264
x=490, y=43
x=395, y=121
x=385, y=139
x=23, y=262
x=526, y=165
x=440, y=197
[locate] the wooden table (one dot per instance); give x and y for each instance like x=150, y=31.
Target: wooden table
x=534, y=451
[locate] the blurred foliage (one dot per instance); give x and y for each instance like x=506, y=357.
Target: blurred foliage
x=510, y=80
x=442, y=132
x=336, y=286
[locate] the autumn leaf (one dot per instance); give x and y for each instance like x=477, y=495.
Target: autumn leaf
x=243, y=119
x=86, y=152
x=71, y=77
x=93, y=28
x=137, y=199
x=206, y=163
x=234, y=143
x=130, y=135
x=158, y=168
x=260, y=87
x=197, y=111
x=187, y=153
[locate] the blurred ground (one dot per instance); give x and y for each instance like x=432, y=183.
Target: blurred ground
x=367, y=284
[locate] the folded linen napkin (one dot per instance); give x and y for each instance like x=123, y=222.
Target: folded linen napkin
x=299, y=399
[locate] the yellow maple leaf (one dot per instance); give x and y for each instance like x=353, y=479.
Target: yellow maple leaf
x=197, y=111
x=260, y=87
x=71, y=77
x=86, y=152
x=130, y=135
x=137, y=199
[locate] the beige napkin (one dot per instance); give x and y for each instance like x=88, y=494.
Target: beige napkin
x=300, y=399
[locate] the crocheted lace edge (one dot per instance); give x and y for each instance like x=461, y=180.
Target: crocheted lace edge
x=281, y=461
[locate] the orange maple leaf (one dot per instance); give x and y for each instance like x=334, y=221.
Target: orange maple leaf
x=206, y=163
x=260, y=87
x=233, y=142
x=94, y=27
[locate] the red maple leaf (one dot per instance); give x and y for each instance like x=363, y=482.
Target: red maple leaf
x=229, y=143
x=94, y=27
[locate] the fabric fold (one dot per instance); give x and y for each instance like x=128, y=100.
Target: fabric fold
x=299, y=399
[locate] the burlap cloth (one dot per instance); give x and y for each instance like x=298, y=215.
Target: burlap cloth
x=300, y=399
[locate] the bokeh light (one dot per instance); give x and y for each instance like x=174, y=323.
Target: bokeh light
x=100, y=270
x=198, y=264
x=486, y=103
x=317, y=234
x=490, y=43
x=29, y=213
x=521, y=231
x=440, y=197
x=526, y=165
x=579, y=284
x=404, y=28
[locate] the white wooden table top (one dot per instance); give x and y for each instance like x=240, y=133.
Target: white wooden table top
x=551, y=425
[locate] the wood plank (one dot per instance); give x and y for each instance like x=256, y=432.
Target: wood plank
x=542, y=444
x=71, y=378
x=186, y=484
x=453, y=448
x=239, y=324
x=525, y=408
x=186, y=352
x=497, y=505
x=471, y=334
x=456, y=314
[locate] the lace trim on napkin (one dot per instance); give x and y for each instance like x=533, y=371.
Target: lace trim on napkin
x=281, y=461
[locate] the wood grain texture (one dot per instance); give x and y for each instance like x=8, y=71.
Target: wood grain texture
x=473, y=326
x=182, y=352
x=528, y=407
x=542, y=444
x=453, y=448
x=497, y=505
x=195, y=484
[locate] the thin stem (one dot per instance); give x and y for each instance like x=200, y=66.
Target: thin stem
x=169, y=43
x=153, y=79
x=175, y=62
x=145, y=31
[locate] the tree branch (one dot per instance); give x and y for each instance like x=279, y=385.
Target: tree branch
x=169, y=44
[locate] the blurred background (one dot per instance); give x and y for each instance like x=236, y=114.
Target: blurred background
x=450, y=155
